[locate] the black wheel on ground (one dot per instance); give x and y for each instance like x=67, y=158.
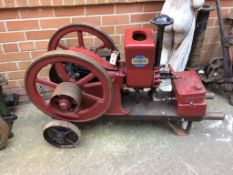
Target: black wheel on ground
x=62, y=134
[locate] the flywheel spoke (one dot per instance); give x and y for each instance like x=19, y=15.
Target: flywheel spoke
x=85, y=79
x=93, y=85
x=46, y=83
x=67, y=132
x=80, y=39
x=54, y=130
x=92, y=97
x=70, y=141
x=61, y=71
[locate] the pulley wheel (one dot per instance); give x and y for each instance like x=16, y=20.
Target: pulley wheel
x=62, y=134
x=66, y=97
x=4, y=133
x=102, y=45
x=96, y=87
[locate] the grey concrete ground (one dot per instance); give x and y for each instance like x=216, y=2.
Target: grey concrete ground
x=122, y=148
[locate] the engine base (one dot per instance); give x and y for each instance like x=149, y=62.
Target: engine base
x=147, y=109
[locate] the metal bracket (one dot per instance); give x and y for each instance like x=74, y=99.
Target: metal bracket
x=178, y=128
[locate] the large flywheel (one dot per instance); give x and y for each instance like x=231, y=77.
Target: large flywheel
x=77, y=97
x=80, y=36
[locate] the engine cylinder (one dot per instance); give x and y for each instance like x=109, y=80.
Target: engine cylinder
x=139, y=57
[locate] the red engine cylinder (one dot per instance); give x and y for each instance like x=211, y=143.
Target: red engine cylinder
x=139, y=57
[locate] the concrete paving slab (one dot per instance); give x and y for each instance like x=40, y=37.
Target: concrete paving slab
x=122, y=148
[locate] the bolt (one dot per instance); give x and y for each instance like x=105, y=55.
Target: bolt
x=198, y=87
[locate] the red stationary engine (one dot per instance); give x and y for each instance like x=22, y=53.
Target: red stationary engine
x=139, y=57
x=86, y=83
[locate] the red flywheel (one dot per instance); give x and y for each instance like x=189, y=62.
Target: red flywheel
x=84, y=94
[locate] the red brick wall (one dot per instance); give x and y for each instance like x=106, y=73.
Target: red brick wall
x=24, y=32
x=54, y=3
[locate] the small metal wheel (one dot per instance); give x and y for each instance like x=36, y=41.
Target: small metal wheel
x=4, y=133
x=62, y=134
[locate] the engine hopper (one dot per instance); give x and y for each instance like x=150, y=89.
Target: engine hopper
x=139, y=57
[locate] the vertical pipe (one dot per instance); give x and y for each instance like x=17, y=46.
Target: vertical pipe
x=199, y=34
x=162, y=21
x=224, y=43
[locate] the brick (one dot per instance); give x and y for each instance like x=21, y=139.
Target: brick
x=212, y=31
x=8, y=67
x=1, y=49
x=36, y=54
x=9, y=57
x=36, y=13
x=10, y=3
x=121, y=29
x=69, y=11
x=38, y=35
x=80, y=2
x=54, y=23
x=73, y=42
x=24, y=65
x=33, y=3
x=58, y=2
x=153, y=6
x=41, y=45
x=207, y=47
x=141, y=17
x=21, y=84
x=16, y=75
x=22, y=25
x=223, y=11
x=90, y=2
x=107, y=29
x=99, y=9
x=67, y=2
x=100, y=2
x=131, y=8
x=22, y=3
x=119, y=19
x=10, y=47
x=45, y=2
x=11, y=84
x=2, y=28
x=116, y=39
x=1, y=4
x=94, y=20
x=44, y=72
x=151, y=26
x=27, y=46
x=10, y=37
x=8, y=14
x=211, y=21
x=226, y=3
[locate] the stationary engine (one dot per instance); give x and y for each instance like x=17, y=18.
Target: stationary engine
x=83, y=85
